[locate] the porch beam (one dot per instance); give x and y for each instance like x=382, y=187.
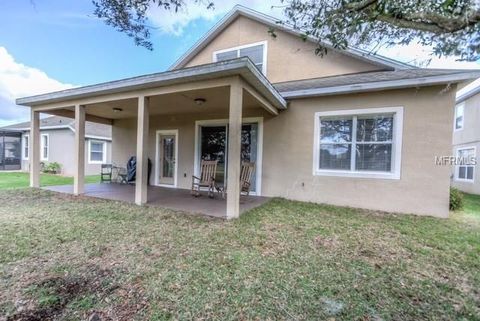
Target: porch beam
x=71, y=114
x=265, y=104
x=79, y=160
x=34, y=149
x=141, y=188
x=234, y=149
x=168, y=89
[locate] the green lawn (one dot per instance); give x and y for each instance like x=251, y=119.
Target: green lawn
x=63, y=257
x=20, y=179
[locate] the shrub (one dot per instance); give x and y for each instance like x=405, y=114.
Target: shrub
x=456, y=199
x=53, y=167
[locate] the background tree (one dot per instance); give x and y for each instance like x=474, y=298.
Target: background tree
x=450, y=27
x=130, y=16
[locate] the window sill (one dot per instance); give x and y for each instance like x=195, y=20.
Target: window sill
x=464, y=180
x=96, y=163
x=376, y=175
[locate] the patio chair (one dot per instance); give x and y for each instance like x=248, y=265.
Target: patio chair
x=106, y=173
x=208, y=170
x=246, y=175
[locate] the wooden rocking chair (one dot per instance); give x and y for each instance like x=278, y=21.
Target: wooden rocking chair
x=208, y=170
x=246, y=175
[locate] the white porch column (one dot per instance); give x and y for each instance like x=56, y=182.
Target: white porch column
x=79, y=175
x=234, y=149
x=141, y=187
x=34, y=149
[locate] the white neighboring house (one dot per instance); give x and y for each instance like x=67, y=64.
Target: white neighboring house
x=57, y=144
x=466, y=138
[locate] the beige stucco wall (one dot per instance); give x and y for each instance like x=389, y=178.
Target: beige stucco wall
x=423, y=187
x=469, y=136
x=61, y=150
x=288, y=151
x=288, y=56
x=124, y=140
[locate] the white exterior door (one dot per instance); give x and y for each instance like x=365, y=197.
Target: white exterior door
x=166, y=163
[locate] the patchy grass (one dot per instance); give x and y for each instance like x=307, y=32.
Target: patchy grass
x=10, y=180
x=64, y=258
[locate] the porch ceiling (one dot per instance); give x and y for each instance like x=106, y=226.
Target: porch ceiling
x=216, y=100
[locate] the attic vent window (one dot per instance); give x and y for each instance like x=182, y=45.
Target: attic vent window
x=257, y=52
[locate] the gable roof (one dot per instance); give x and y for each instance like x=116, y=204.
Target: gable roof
x=92, y=130
x=239, y=10
x=370, y=81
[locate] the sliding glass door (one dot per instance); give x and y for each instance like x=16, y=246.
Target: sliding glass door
x=214, y=146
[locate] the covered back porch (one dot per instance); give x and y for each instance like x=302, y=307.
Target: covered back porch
x=175, y=106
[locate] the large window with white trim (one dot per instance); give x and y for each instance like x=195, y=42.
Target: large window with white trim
x=459, y=116
x=465, y=170
x=257, y=52
x=97, y=152
x=361, y=143
x=44, y=147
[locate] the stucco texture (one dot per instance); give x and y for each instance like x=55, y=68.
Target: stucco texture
x=288, y=56
x=469, y=136
x=288, y=151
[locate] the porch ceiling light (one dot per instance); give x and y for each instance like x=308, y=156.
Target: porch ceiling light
x=200, y=101
x=117, y=110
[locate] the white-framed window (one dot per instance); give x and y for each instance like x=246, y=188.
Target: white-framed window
x=257, y=52
x=459, y=116
x=25, y=147
x=359, y=143
x=97, y=152
x=465, y=171
x=45, y=146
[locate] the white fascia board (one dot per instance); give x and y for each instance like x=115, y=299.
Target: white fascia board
x=372, y=86
x=92, y=136
x=42, y=127
x=468, y=94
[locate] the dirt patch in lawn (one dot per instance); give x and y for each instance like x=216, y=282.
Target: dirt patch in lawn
x=49, y=297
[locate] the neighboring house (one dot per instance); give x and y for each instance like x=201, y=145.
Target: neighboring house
x=349, y=128
x=10, y=150
x=57, y=144
x=466, y=140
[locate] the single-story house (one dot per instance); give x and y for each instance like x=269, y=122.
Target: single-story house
x=57, y=141
x=466, y=140
x=350, y=128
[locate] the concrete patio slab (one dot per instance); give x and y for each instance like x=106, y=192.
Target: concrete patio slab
x=172, y=198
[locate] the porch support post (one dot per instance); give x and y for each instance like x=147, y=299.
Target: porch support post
x=34, y=149
x=79, y=174
x=234, y=149
x=141, y=187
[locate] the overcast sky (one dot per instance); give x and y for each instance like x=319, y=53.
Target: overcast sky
x=57, y=44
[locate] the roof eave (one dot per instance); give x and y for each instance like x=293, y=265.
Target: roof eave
x=467, y=95
x=379, y=85
x=241, y=66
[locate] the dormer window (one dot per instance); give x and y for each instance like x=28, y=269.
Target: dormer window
x=257, y=52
